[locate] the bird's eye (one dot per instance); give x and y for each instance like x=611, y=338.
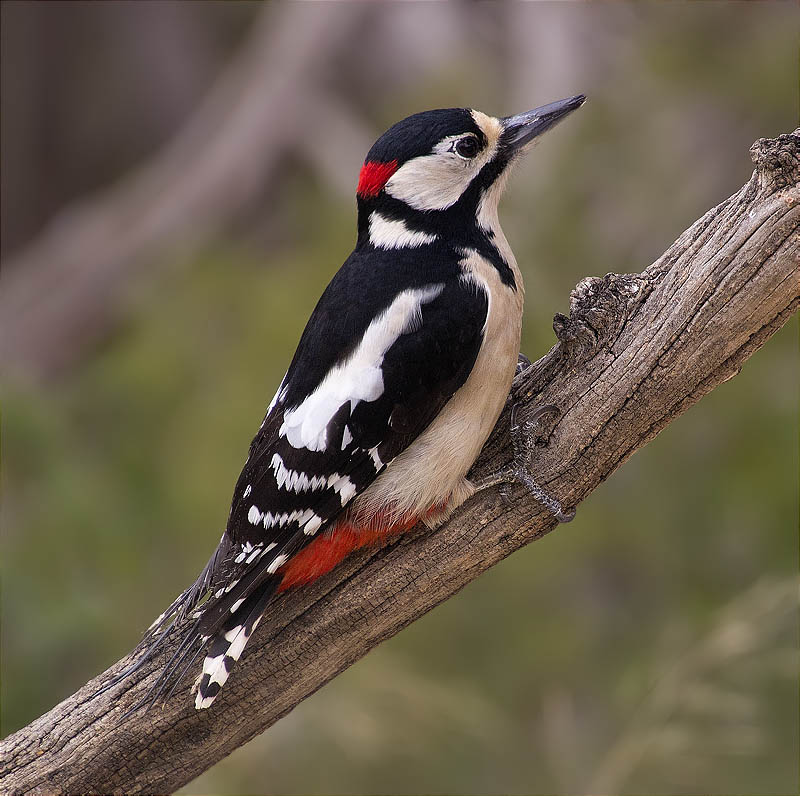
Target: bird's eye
x=467, y=147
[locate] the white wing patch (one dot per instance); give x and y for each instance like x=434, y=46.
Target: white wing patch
x=312, y=526
x=359, y=378
x=386, y=233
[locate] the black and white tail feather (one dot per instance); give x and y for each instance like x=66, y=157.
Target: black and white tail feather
x=208, y=610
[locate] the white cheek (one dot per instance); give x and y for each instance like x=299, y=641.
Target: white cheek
x=432, y=182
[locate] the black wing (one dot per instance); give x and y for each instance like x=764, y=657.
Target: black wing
x=420, y=371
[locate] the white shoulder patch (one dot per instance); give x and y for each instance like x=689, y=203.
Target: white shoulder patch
x=359, y=377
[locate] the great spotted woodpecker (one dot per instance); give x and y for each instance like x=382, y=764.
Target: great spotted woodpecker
x=398, y=379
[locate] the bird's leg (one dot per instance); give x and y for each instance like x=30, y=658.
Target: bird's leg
x=522, y=440
x=523, y=363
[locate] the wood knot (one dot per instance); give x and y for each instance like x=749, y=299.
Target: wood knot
x=598, y=309
x=777, y=161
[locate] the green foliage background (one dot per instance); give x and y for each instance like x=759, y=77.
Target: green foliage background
x=650, y=646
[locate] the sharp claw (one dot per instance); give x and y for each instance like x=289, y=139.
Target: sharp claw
x=519, y=471
x=566, y=516
x=540, y=411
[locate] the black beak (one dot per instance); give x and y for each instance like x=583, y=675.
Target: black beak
x=524, y=127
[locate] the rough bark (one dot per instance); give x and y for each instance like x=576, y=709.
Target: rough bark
x=636, y=351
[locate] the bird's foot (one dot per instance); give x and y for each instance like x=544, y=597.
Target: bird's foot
x=523, y=363
x=523, y=442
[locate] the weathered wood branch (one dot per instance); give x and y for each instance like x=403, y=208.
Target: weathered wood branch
x=636, y=351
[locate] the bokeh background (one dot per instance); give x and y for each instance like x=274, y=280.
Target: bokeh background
x=177, y=189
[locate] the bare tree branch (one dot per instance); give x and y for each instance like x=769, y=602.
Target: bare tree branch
x=636, y=352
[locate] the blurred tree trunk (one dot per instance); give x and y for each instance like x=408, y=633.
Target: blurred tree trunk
x=68, y=284
x=635, y=353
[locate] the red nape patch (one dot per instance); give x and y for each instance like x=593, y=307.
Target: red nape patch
x=374, y=176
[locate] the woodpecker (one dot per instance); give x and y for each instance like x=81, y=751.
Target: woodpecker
x=397, y=381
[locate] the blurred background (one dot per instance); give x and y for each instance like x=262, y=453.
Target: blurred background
x=177, y=189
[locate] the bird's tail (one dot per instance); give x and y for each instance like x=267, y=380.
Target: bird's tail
x=221, y=621
x=229, y=642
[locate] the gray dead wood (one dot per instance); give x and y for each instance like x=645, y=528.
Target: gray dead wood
x=636, y=351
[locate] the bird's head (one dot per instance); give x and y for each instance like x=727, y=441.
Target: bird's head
x=442, y=170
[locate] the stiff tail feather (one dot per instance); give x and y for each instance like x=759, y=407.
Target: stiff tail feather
x=157, y=633
x=199, y=614
x=227, y=646
x=223, y=607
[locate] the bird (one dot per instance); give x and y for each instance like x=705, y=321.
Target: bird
x=398, y=379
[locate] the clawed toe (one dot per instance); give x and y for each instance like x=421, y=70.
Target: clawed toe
x=523, y=363
x=522, y=439
x=566, y=516
x=505, y=493
x=533, y=419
